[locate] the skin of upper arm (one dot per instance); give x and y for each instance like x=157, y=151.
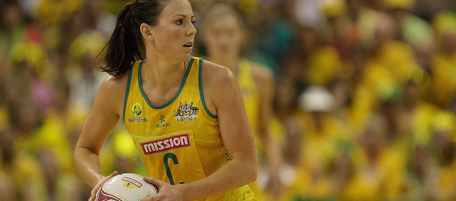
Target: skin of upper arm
x=105, y=114
x=225, y=99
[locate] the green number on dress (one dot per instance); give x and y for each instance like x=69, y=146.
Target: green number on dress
x=168, y=171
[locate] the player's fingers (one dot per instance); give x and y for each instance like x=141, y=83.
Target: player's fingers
x=94, y=191
x=157, y=183
x=153, y=198
x=148, y=199
x=92, y=195
x=113, y=174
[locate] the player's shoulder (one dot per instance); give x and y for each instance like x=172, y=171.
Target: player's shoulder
x=216, y=72
x=218, y=81
x=114, y=85
x=111, y=93
x=115, y=82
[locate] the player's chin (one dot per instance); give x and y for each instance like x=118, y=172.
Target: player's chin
x=186, y=56
x=182, y=56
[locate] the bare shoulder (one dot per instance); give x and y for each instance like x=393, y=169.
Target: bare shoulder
x=111, y=93
x=114, y=84
x=216, y=75
x=219, y=84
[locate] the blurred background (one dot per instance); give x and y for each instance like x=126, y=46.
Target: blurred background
x=364, y=110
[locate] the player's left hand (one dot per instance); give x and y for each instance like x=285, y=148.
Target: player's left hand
x=100, y=183
x=166, y=192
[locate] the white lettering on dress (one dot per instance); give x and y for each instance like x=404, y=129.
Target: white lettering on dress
x=165, y=144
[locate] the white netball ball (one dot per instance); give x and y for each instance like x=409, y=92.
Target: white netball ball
x=126, y=187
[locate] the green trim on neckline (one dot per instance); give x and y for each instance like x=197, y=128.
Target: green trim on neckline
x=175, y=96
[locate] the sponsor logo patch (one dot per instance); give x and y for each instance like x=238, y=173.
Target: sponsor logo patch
x=166, y=144
x=162, y=122
x=136, y=109
x=186, y=112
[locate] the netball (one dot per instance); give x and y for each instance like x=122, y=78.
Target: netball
x=233, y=100
x=126, y=187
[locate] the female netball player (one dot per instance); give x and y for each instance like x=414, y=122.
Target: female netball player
x=186, y=116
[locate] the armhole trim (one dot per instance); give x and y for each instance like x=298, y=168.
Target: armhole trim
x=200, y=83
x=127, y=92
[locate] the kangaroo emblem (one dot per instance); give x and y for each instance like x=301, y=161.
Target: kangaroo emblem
x=186, y=110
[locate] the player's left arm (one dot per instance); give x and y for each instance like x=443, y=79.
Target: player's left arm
x=224, y=99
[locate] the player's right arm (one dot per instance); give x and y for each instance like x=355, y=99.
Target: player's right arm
x=105, y=114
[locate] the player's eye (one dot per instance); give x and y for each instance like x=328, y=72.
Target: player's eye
x=179, y=22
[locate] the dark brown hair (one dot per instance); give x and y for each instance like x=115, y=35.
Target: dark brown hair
x=126, y=45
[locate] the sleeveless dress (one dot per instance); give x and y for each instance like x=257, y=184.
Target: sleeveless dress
x=179, y=141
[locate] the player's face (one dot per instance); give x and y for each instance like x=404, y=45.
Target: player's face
x=224, y=37
x=175, y=33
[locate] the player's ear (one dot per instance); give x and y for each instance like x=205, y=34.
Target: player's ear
x=146, y=31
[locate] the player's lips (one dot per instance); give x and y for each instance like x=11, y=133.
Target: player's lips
x=188, y=45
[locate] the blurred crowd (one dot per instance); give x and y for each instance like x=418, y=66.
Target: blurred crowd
x=365, y=106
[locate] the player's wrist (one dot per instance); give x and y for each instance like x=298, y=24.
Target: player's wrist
x=188, y=191
x=185, y=190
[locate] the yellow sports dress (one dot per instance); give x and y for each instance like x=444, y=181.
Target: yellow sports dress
x=179, y=141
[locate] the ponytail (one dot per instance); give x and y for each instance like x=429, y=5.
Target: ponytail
x=125, y=45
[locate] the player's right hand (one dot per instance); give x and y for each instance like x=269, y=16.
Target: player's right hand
x=93, y=194
x=166, y=192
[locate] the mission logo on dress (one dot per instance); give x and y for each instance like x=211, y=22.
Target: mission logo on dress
x=165, y=144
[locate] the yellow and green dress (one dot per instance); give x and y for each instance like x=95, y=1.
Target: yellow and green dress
x=178, y=142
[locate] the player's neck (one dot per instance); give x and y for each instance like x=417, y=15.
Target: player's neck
x=163, y=75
